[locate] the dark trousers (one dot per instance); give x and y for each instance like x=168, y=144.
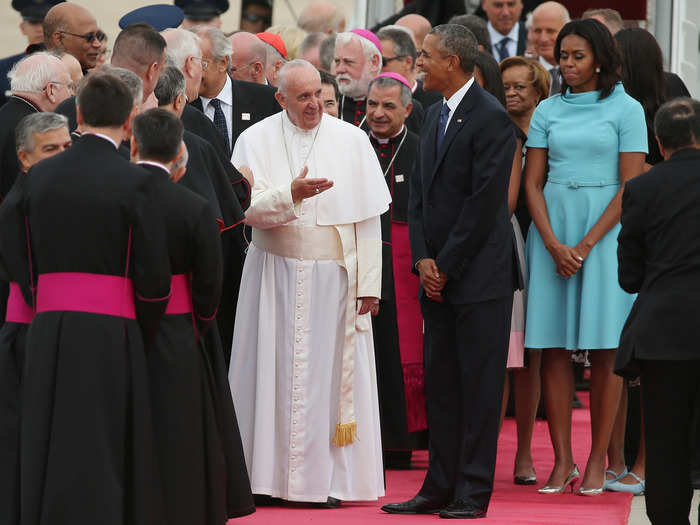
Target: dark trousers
x=670, y=397
x=465, y=360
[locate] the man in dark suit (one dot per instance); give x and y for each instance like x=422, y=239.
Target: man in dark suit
x=507, y=31
x=461, y=246
x=659, y=258
x=232, y=105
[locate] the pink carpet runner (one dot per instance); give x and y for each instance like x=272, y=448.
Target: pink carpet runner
x=510, y=504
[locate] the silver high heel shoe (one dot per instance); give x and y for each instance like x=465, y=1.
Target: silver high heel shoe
x=569, y=483
x=589, y=492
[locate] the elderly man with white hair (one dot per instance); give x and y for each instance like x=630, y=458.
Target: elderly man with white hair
x=357, y=61
x=230, y=104
x=38, y=82
x=302, y=367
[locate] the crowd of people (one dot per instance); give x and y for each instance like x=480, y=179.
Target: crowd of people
x=264, y=266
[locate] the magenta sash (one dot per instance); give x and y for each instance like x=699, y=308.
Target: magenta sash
x=180, y=296
x=18, y=311
x=85, y=292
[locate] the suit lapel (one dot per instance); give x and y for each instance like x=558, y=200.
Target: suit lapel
x=458, y=120
x=197, y=103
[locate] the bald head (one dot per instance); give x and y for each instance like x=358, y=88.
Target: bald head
x=547, y=20
x=322, y=17
x=299, y=93
x=73, y=67
x=418, y=24
x=249, y=57
x=65, y=18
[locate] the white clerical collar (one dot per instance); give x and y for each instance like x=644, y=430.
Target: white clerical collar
x=385, y=141
x=496, y=36
x=225, y=95
x=289, y=124
x=154, y=163
x=109, y=139
x=458, y=95
x=546, y=64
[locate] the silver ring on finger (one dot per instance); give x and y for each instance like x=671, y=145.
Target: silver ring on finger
x=317, y=190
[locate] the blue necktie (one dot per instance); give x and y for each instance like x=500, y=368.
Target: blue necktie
x=502, y=48
x=442, y=124
x=220, y=122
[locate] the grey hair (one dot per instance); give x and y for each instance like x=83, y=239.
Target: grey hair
x=36, y=123
x=272, y=55
x=33, y=72
x=288, y=69
x=368, y=48
x=131, y=80
x=459, y=41
x=220, y=45
x=402, y=38
x=182, y=160
x=405, y=95
x=182, y=45
x=311, y=41
x=326, y=52
x=171, y=83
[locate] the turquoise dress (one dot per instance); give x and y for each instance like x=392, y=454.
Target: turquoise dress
x=584, y=137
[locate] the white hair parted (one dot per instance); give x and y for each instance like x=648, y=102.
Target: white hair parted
x=220, y=45
x=369, y=50
x=287, y=71
x=33, y=72
x=182, y=44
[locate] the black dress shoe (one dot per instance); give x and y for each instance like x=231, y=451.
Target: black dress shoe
x=460, y=510
x=331, y=503
x=417, y=505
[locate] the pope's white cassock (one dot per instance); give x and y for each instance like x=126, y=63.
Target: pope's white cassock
x=302, y=368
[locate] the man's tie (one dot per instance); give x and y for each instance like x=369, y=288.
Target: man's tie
x=502, y=48
x=442, y=125
x=220, y=122
x=555, y=77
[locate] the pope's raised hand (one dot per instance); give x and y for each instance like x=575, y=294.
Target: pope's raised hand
x=303, y=188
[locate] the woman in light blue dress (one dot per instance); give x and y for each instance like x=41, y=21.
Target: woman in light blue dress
x=592, y=138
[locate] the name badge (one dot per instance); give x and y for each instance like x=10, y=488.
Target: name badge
x=245, y=116
x=399, y=178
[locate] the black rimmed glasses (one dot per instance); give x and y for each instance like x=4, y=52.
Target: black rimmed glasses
x=386, y=60
x=88, y=37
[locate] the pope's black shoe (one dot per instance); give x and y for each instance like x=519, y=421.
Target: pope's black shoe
x=417, y=505
x=460, y=510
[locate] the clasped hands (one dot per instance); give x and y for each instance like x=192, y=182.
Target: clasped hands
x=303, y=188
x=568, y=260
x=432, y=279
x=368, y=305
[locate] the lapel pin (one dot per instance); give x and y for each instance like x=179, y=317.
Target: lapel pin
x=245, y=116
x=459, y=121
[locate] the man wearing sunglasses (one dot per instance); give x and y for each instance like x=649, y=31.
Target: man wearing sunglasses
x=72, y=28
x=256, y=16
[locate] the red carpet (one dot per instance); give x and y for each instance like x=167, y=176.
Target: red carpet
x=510, y=504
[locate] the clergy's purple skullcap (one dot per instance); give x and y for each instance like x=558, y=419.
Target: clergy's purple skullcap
x=395, y=76
x=365, y=33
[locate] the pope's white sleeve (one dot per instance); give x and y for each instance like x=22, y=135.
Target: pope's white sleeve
x=369, y=257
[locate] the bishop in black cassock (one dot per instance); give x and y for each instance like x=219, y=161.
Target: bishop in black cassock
x=397, y=327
